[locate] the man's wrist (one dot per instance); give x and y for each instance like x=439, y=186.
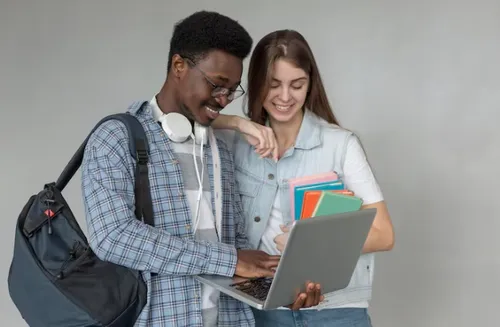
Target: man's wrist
x=222, y=259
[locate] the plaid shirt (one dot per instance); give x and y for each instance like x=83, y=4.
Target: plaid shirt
x=169, y=248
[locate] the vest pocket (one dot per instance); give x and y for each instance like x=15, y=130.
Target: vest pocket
x=247, y=187
x=362, y=275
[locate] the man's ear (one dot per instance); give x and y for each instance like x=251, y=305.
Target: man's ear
x=179, y=66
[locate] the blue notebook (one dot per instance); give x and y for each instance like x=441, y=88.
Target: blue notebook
x=324, y=186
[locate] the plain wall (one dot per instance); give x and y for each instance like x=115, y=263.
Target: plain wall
x=419, y=81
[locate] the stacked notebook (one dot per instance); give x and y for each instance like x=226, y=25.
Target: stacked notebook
x=321, y=194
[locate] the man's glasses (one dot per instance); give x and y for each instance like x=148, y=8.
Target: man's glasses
x=219, y=91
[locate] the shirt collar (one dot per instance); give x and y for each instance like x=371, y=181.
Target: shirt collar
x=310, y=132
x=155, y=109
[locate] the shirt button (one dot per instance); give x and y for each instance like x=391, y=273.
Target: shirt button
x=270, y=176
x=256, y=219
x=175, y=161
x=188, y=227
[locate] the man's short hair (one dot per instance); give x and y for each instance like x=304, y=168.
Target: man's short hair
x=198, y=34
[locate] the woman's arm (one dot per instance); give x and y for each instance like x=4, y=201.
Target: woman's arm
x=259, y=136
x=381, y=234
x=359, y=178
x=227, y=122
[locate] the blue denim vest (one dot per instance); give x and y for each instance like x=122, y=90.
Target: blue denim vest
x=320, y=147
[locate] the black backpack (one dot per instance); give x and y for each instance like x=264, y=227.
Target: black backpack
x=55, y=279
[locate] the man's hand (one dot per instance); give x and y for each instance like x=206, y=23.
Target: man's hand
x=311, y=298
x=259, y=136
x=256, y=263
x=281, y=239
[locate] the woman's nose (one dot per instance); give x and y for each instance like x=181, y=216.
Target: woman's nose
x=284, y=95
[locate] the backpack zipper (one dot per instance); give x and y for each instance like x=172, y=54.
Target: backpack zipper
x=77, y=254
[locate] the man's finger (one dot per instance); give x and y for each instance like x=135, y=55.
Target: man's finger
x=317, y=298
x=268, y=264
x=265, y=272
x=299, y=302
x=311, y=290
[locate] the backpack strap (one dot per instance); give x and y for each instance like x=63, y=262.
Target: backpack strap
x=139, y=150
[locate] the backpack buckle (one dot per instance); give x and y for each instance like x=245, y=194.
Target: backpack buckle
x=142, y=156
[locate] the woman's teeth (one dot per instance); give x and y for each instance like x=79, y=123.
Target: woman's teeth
x=282, y=108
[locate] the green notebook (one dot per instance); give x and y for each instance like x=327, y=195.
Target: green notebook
x=332, y=203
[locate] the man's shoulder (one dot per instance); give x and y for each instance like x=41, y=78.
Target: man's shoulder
x=225, y=137
x=114, y=131
x=109, y=133
x=234, y=141
x=225, y=140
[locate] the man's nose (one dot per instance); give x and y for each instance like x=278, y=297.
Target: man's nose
x=223, y=101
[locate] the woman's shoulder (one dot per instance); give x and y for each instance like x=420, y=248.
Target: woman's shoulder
x=330, y=131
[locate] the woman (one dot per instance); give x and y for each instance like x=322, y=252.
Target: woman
x=294, y=130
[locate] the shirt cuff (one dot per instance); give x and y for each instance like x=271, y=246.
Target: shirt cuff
x=221, y=260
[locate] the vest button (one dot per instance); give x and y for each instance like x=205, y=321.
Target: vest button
x=270, y=176
x=256, y=219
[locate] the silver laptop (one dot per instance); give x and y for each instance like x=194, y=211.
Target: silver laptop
x=323, y=250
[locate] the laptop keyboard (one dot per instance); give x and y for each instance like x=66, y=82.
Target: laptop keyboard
x=257, y=287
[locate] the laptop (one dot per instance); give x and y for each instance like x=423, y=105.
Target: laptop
x=324, y=250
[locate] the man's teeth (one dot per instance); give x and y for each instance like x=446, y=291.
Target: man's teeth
x=211, y=110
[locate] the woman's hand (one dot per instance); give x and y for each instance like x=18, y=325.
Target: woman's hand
x=281, y=239
x=259, y=136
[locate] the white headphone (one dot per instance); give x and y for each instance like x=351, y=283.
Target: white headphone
x=179, y=129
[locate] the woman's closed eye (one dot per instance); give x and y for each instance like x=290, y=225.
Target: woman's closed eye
x=293, y=86
x=297, y=86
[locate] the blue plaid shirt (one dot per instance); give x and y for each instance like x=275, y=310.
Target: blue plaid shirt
x=169, y=248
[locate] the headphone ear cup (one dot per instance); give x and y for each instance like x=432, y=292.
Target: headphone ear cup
x=176, y=126
x=200, y=133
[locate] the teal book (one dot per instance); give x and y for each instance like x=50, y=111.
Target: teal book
x=331, y=203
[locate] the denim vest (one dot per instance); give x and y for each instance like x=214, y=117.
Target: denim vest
x=320, y=147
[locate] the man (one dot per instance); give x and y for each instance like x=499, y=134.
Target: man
x=196, y=231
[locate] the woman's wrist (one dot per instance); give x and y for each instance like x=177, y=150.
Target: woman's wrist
x=225, y=122
x=235, y=122
x=232, y=122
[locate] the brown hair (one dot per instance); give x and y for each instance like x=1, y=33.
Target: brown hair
x=291, y=46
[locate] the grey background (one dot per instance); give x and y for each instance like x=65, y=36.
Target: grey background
x=418, y=80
